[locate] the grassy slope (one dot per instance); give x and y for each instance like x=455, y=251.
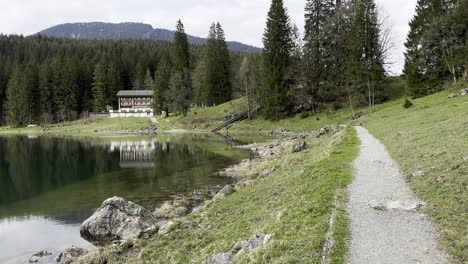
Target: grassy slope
x=293, y=204
x=88, y=127
x=432, y=136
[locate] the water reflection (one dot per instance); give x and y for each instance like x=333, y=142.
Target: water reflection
x=135, y=154
x=49, y=185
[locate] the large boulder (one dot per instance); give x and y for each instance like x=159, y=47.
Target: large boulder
x=463, y=92
x=116, y=219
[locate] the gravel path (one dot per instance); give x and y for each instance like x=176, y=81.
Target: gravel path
x=385, y=226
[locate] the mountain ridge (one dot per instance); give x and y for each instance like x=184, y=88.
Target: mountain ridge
x=128, y=30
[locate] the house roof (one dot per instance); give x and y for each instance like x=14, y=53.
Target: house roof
x=135, y=93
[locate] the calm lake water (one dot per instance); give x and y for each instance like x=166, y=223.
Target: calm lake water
x=48, y=185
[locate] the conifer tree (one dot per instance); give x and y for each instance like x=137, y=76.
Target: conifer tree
x=436, y=45
x=114, y=82
x=99, y=87
x=148, y=82
x=161, y=85
x=181, y=79
x=46, y=89
x=17, y=99
x=316, y=50
x=276, y=60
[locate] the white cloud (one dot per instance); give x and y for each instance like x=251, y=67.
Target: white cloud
x=243, y=20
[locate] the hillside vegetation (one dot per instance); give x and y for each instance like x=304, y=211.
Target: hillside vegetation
x=432, y=136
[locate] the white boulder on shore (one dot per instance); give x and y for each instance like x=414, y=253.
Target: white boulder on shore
x=117, y=219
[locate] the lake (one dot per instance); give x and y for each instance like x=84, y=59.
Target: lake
x=49, y=185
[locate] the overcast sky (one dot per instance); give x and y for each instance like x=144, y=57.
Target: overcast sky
x=243, y=20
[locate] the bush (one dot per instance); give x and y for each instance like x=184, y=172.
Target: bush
x=304, y=115
x=407, y=103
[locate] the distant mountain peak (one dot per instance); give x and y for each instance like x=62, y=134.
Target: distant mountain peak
x=128, y=30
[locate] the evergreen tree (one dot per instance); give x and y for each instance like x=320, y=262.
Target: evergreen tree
x=162, y=79
x=16, y=105
x=148, y=82
x=436, y=45
x=181, y=80
x=316, y=50
x=114, y=82
x=276, y=60
x=224, y=67
x=45, y=93
x=365, y=70
x=99, y=87
x=139, y=77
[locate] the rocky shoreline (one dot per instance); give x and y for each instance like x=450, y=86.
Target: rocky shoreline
x=118, y=223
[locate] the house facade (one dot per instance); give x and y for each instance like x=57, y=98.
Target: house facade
x=134, y=103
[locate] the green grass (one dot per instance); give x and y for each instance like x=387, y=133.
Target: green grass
x=104, y=126
x=432, y=136
x=293, y=203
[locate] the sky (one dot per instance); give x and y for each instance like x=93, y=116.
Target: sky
x=242, y=20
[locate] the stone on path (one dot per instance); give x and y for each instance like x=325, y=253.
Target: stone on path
x=385, y=225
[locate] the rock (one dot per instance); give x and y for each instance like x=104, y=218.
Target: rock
x=59, y=257
x=221, y=194
x=463, y=92
x=418, y=174
x=42, y=253
x=239, y=248
x=407, y=205
x=452, y=95
x=164, y=227
x=117, y=218
x=172, y=209
x=325, y=130
x=243, y=184
x=39, y=256
x=298, y=147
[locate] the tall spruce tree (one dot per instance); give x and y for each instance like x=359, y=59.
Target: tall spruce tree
x=99, y=87
x=148, y=82
x=161, y=85
x=364, y=67
x=216, y=87
x=17, y=95
x=181, y=80
x=276, y=62
x=316, y=50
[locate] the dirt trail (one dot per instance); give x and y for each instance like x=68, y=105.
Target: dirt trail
x=385, y=226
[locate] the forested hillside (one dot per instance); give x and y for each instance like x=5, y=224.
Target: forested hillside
x=51, y=80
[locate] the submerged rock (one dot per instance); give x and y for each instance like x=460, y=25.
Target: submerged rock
x=118, y=218
x=239, y=248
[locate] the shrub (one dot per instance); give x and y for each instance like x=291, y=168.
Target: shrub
x=304, y=115
x=407, y=103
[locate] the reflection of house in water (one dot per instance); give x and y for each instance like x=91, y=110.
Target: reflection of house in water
x=135, y=154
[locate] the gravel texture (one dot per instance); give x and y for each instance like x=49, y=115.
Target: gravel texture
x=394, y=231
